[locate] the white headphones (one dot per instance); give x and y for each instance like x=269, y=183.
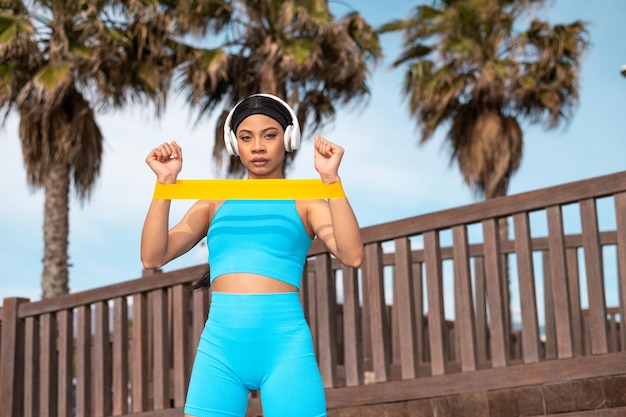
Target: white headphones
x=292, y=131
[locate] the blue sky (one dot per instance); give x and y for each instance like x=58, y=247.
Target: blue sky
x=386, y=175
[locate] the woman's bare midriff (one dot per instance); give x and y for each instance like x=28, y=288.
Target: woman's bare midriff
x=250, y=284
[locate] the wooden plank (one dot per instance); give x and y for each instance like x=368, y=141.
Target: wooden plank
x=559, y=281
x=366, y=328
x=405, y=307
x=31, y=368
x=200, y=313
x=181, y=295
x=526, y=279
x=503, y=230
x=420, y=329
x=571, y=257
x=201, y=300
x=304, y=282
x=103, y=400
x=352, y=335
x=150, y=282
x=549, y=325
x=612, y=326
x=464, y=306
x=160, y=343
x=571, y=241
x=375, y=306
x=620, y=215
x=434, y=288
x=139, y=354
x=499, y=378
x=169, y=412
x=494, y=282
x=11, y=359
x=326, y=324
x=595, y=278
x=84, y=372
x=309, y=302
x=65, y=323
x=48, y=366
x=482, y=323
x=121, y=345
x=393, y=320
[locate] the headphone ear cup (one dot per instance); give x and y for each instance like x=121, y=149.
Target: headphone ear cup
x=295, y=139
x=292, y=138
x=288, y=138
x=230, y=140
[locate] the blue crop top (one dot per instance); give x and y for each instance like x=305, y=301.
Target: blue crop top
x=264, y=237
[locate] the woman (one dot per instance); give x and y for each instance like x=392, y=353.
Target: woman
x=256, y=337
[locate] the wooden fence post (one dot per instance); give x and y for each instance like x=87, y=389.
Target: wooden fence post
x=12, y=359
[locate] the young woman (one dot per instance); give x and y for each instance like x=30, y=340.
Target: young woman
x=256, y=337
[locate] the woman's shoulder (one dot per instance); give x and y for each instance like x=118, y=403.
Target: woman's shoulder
x=207, y=207
x=310, y=209
x=314, y=204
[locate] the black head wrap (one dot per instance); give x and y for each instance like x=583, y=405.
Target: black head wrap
x=257, y=104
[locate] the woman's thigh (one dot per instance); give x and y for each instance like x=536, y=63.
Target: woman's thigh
x=294, y=387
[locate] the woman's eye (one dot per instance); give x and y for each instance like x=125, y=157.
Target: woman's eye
x=245, y=138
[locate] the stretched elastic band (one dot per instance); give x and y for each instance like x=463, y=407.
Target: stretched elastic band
x=274, y=189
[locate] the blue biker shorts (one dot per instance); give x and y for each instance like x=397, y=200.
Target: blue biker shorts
x=256, y=342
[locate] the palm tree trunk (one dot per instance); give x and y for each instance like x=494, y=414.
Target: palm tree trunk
x=55, y=275
x=268, y=82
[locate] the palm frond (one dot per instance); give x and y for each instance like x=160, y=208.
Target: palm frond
x=468, y=68
x=52, y=76
x=294, y=49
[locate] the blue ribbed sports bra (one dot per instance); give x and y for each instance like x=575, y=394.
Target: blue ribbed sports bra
x=264, y=237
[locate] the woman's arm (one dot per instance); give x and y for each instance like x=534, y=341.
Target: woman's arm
x=335, y=224
x=333, y=221
x=159, y=244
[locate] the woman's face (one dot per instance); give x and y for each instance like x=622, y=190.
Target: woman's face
x=260, y=140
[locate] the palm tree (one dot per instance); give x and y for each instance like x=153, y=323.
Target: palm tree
x=59, y=60
x=471, y=71
x=294, y=49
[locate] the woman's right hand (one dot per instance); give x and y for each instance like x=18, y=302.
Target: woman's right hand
x=166, y=160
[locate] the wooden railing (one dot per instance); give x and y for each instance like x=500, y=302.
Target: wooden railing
x=534, y=282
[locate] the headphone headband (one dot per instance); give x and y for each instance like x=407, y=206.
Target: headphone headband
x=292, y=131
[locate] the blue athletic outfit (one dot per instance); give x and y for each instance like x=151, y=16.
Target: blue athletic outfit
x=256, y=341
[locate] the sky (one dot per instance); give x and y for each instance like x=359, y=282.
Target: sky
x=386, y=174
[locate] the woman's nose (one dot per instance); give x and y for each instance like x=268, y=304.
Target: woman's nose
x=257, y=145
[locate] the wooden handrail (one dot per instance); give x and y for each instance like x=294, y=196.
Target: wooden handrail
x=497, y=207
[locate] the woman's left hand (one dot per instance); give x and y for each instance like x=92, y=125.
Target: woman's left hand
x=327, y=157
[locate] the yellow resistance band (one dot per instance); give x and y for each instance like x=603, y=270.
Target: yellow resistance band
x=270, y=189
